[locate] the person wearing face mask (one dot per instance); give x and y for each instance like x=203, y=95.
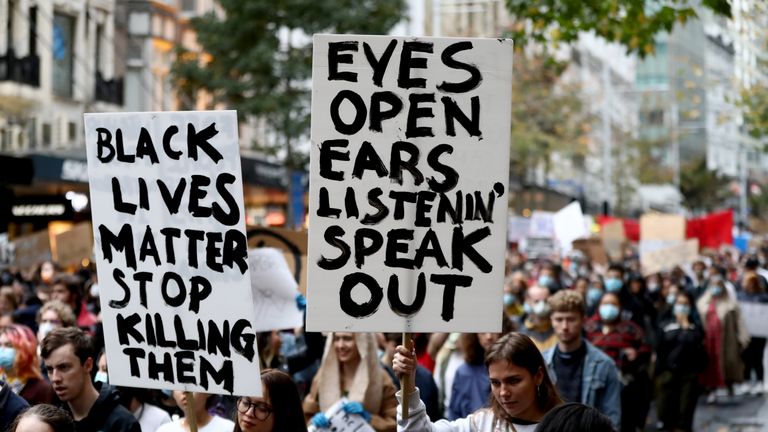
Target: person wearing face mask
x=680, y=358
x=549, y=276
x=592, y=298
x=624, y=341
x=536, y=323
x=19, y=364
x=726, y=337
x=614, y=278
x=514, y=290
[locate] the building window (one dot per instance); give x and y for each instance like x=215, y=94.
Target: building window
x=46, y=134
x=188, y=5
x=72, y=131
x=33, y=30
x=63, y=54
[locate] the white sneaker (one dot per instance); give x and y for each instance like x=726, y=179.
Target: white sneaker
x=758, y=388
x=711, y=397
x=741, y=389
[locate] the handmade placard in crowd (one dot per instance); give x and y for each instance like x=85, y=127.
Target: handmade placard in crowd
x=408, y=183
x=292, y=243
x=274, y=291
x=755, y=318
x=32, y=249
x=569, y=225
x=172, y=252
x=74, y=245
x=684, y=252
x=342, y=421
x=614, y=239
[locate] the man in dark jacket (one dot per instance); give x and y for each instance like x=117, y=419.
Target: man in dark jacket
x=69, y=359
x=11, y=405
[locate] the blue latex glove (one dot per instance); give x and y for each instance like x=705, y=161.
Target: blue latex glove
x=301, y=302
x=356, y=408
x=319, y=420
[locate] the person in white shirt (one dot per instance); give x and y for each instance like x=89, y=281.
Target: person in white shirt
x=205, y=421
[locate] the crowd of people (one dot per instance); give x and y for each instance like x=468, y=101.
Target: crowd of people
x=583, y=346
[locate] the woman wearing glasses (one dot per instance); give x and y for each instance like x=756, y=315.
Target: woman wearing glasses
x=279, y=409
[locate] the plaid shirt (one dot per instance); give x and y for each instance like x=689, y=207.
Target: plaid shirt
x=625, y=334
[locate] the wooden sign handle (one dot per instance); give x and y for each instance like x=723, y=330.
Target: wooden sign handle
x=191, y=415
x=405, y=378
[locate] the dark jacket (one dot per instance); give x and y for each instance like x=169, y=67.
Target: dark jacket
x=11, y=405
x=680, y=350
x=107, y=415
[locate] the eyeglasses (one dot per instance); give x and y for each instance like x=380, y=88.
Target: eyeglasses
x=261, y=410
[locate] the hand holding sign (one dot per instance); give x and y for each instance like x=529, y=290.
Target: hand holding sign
x=343, y=416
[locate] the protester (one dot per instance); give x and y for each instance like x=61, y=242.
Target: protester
x=521, y=391
x=20, y=365
x=424, y=380
x=581, y=371
x=69, y=359
x=624, y=341
x=726, y=337
x=638, y=306
x=52, y=315
x=69, y=290
x=680, y=357
x=279, y=408
x=753, y=290
x=575, y=417
x=137, y=401
x=205, y=421
x=470, y=385
x=43, y=418
x=537, y=324
x=550, y=277
x=448, y=360
x=593, y=295
x=11, y=405
x=350, y=368
x=515, y=287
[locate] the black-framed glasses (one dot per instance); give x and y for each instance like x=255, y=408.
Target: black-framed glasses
x=261, y=410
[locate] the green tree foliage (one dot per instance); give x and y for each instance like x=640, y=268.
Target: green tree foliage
x=249, y=68
x=632, y=23
x=754, y=108
x=547, y=116
x=702, y=189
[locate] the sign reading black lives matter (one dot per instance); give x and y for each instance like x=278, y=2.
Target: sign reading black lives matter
x=408, y=183
x=172, y=252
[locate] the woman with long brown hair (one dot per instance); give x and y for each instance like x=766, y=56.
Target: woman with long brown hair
x=521, y=391
x=278, y=409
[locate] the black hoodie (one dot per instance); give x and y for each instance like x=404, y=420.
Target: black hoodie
x=107, y=415
x=11, y=405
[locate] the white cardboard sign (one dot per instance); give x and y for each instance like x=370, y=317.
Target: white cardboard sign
x=569, y=226
x=408, y=183
x=169, y=234
x=754, y=317
x=274, y=291
x=342, y=421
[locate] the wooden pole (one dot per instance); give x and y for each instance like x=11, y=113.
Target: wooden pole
x=191, y=415
x=405, y=378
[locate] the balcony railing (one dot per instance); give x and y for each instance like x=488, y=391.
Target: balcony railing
x=24, y=70
x=110, y=91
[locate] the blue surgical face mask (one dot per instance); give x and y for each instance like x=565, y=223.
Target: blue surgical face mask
x=541, y=308
x=671, y=298
x=574, y=267
x=527, y=308
x=613, y=285
x=101, y=377
x=594, y=295
x=716, y=290
x=546, y=281
x=509, y=299
x=681, y=309
x=7, y=357
x=609, y=312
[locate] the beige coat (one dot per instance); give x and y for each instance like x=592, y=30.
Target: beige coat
x=735, y=337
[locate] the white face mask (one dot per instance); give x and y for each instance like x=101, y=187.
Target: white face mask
x=44, y=329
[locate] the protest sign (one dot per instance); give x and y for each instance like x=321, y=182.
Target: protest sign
x=32, y=249
x=668, y=257
x=593, y=249
x=568, y=224
x=342, y=421
x=293, y=245
x=540, y=247
x=517, y=228
x=74, y=245
x=542, y=224
x=172, y=251
x=614, y=237
x=754, y=316
x=274, y=291
x=408, y=183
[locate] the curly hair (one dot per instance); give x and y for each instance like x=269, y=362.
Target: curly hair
x=567, y=301
x=62, y=309
x=25, y=343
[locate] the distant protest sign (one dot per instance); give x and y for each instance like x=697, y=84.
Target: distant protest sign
x=293, y=245
x=754, y=317
x=569, y=225
x=274, y=291
x=341, y=421
x=668, y=257
x=6, y=252
x=33, y=249
x=74, y=245
x=614, y=238
x=172, y=251
x=408, y=183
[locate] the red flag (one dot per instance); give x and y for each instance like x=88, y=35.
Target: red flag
x=712, y=230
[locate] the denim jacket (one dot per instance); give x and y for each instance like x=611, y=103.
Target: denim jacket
x=600, y=385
